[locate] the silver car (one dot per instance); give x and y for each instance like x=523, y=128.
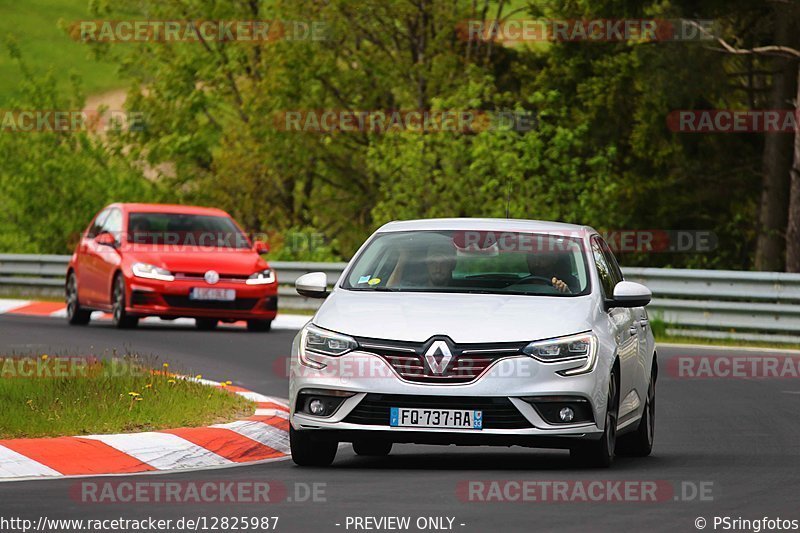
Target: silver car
x=475, y=332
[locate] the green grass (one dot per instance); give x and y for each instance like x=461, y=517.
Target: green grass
x=45, y=46
x=118, y=395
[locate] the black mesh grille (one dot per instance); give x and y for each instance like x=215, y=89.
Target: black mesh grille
x=240, y=304
x=498, y=413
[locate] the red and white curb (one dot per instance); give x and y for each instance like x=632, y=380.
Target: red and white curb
x=263, y=437
x=57, y=309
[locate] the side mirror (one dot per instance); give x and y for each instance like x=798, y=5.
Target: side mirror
x=261, y=247
x=106, y=239
x=312, y=285
x=630, y=294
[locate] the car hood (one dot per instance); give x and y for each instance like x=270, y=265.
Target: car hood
x=241, y=262
x=465, y=318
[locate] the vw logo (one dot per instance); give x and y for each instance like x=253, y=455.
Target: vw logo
x=430, y=357
x=211, y=277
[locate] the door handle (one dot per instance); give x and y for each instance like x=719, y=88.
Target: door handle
x=632, y=330
x=644, y=322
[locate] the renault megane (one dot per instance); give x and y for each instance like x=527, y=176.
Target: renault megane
x=476, y=332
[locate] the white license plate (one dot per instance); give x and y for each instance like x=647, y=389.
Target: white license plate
x=435, y=418
x=220, y=295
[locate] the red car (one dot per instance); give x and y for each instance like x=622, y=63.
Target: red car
x=170, y=261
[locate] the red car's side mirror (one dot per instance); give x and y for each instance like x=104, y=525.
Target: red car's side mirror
x=106, y=239
x=261, y=247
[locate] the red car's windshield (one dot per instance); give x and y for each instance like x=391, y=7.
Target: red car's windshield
x=180, y=229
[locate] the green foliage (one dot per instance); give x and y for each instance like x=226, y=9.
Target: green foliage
x=52, y=183
x=38, y=25
x=600, y=154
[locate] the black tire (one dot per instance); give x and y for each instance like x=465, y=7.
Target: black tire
x=76, y=315
x=206, y=324
x=310, y=451
x=600, y=453
x=259, y=325
x=640, y=442
x=119, y=315
x=372, y=447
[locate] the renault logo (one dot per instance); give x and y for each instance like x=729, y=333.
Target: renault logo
x=430, y=357
x=211, y=277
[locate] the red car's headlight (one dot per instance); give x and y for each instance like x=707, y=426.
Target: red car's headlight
x=143, y=270
x=264, y=277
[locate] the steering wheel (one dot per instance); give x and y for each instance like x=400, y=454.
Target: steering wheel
x=539, y=280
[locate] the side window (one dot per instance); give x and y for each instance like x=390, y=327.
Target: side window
x=603, y=270
x=614, y=269
x=113, y=223
x=97, y=225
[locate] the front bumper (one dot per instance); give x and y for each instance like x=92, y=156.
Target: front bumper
x=170, y=299
x=506, y=382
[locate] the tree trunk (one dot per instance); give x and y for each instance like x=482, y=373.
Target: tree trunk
x=777, y=159
x=793, y=225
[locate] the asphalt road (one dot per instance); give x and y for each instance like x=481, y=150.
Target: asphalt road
x=736, y=440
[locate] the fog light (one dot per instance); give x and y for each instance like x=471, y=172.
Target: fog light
x=566, y=414
x=316, y=407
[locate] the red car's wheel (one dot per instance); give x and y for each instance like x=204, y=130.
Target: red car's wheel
x=76, y=315
x=119, y=315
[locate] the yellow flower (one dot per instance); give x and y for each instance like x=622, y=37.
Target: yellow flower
x=199, y=376
x=138, y=399
x=134, y=394
x=44, y=357
x=148, y=386
x=165, y=365
x=223, y=385
x=171, y=381
x=228, y=383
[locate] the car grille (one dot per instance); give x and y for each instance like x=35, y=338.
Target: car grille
x=498, y=413
x=200, y=276
x=468, y=361
x=240, y=304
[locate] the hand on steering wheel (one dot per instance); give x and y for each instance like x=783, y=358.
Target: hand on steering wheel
x=560, y=286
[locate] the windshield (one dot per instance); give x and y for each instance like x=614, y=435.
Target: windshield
x=471, y=262
x=179, y=229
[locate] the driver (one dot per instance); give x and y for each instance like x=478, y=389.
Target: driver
x=555, y=266
x=140, y=231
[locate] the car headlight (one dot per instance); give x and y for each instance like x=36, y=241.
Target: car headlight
x=143, y=270
x=264, y=277
x=580, y=348
x=314, y=340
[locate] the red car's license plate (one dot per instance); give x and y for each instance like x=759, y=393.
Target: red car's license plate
x=221, y=295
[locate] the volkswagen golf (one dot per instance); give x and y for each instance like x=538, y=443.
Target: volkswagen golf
x=475, y=332
x=170, y=261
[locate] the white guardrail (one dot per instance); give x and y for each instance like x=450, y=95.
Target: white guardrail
x=723, y=304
